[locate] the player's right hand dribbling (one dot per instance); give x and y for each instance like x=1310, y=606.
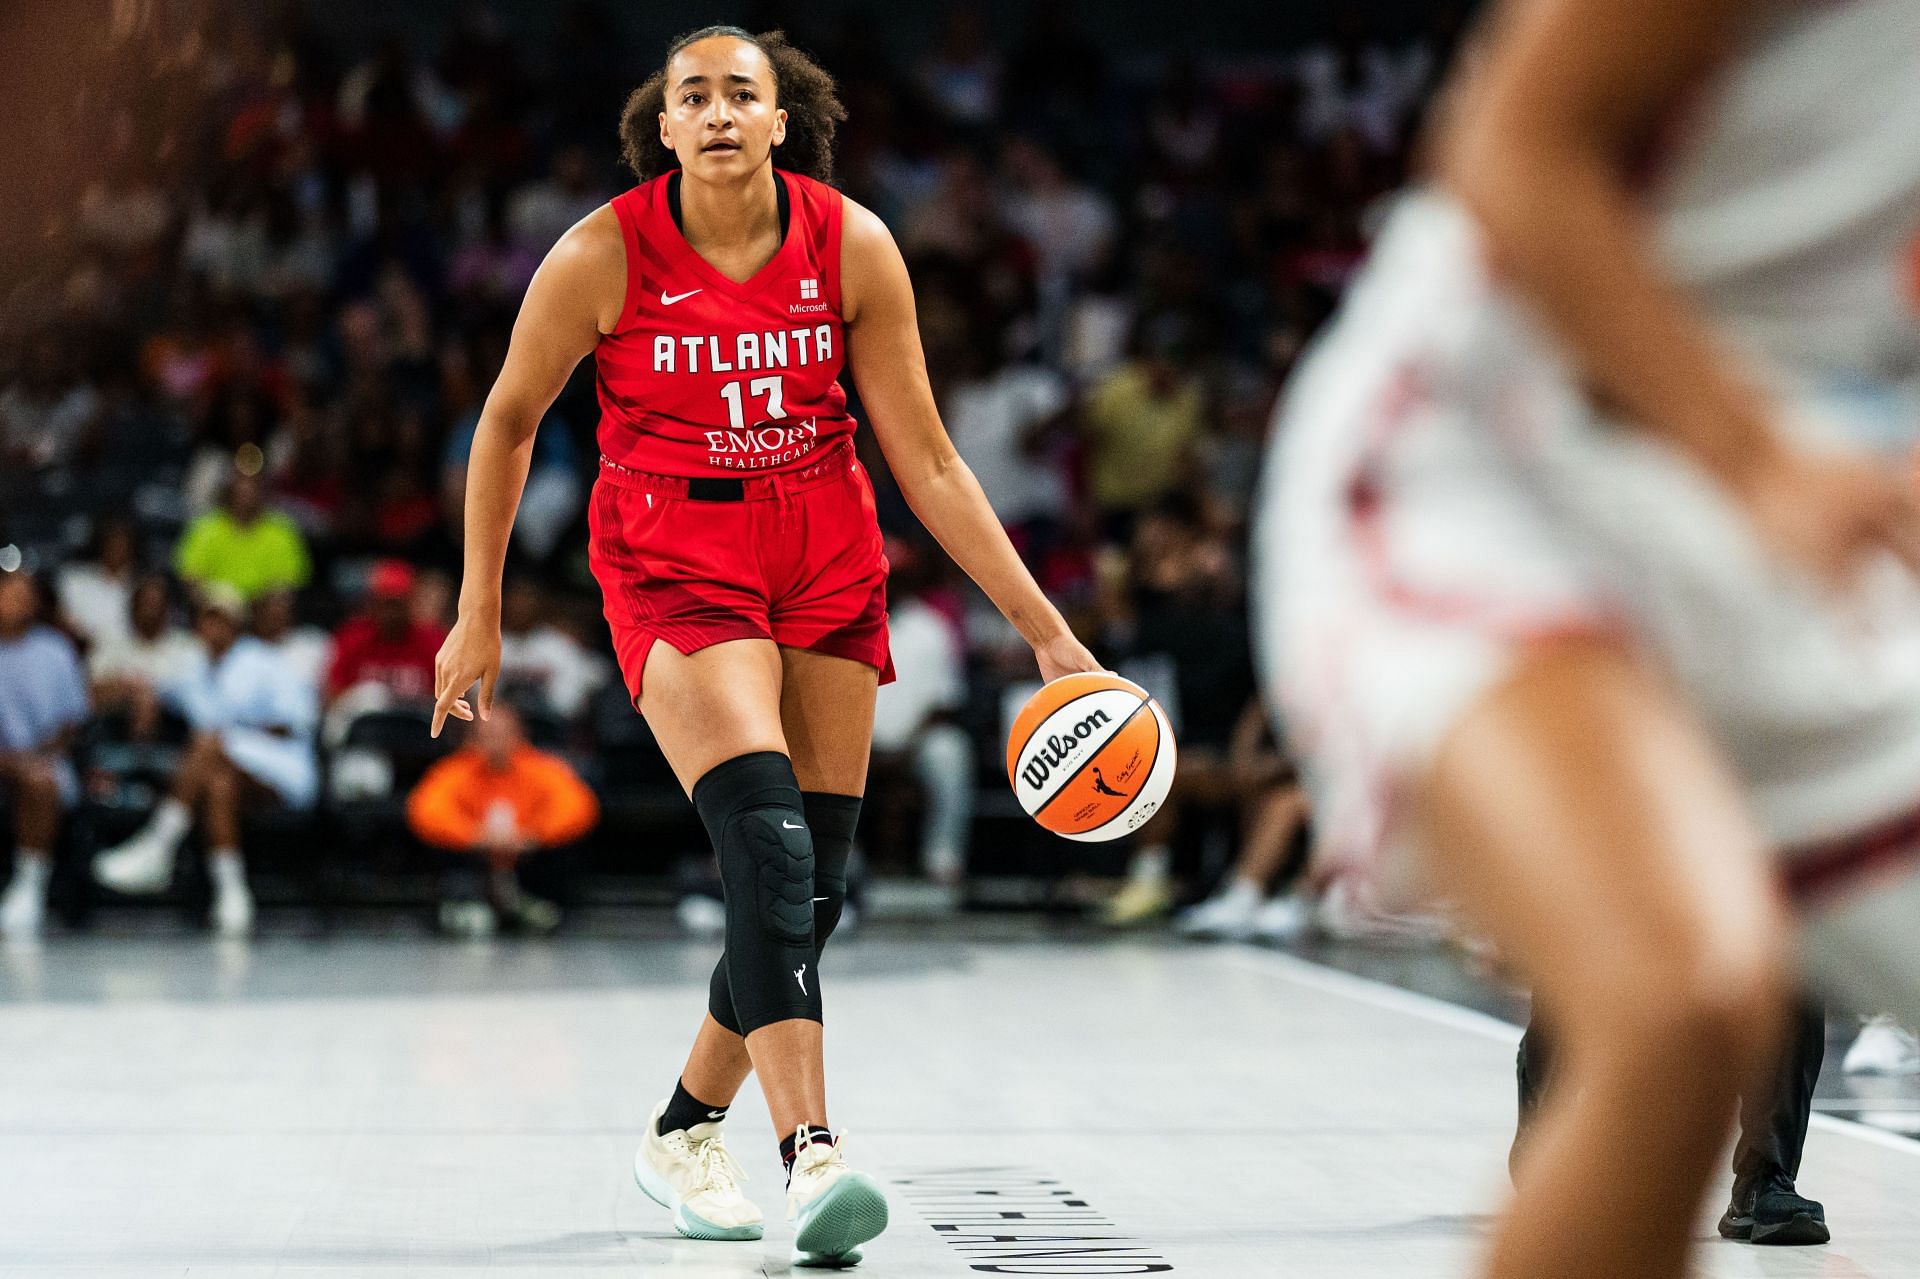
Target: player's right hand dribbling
x=471, y=652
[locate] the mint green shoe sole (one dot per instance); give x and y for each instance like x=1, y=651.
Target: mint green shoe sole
x=851, y=1212
x=688, y=1224
x=825, y=1260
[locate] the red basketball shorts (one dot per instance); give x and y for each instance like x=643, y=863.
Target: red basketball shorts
x=795, y=558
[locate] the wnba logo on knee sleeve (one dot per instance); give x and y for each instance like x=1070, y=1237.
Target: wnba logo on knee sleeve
x=800, y=975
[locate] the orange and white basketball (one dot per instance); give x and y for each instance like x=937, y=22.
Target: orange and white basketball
x=1091, y=756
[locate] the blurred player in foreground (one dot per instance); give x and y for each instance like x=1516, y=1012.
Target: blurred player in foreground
x=1587, y=564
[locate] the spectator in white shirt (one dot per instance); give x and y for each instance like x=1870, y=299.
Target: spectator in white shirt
x=1001, y=420
x=962, y=75
x=912, y=728
x=253, y=721
x=94, y=592
x=43, y=700
x=48, y=415
x=541, y=666
x=306, y=649
x=1353, y=84
x=128, y=671
x=540, y=212
x=1070, y=226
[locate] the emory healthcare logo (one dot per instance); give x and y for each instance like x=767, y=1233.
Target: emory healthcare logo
x=809, y=298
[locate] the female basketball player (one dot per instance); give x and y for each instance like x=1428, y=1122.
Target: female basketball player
x=1585, y=561
x=734, y=538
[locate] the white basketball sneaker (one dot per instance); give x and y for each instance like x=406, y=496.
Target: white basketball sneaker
x=24, y=906
x=233, y=910
x=1883, y=1047
x=833, y=1208
x=1283, y=919
x=1228, y=915
x=142, y=864
x=690, y=1174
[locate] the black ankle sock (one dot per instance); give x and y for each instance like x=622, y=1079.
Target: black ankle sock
x=788, y=1150
x=686, y=1110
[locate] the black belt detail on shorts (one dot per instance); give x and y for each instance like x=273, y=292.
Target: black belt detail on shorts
x=711, y=488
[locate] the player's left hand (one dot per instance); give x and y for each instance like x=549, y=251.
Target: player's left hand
x=1064, y=655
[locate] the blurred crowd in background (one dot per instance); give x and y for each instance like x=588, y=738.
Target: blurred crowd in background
x=239, y=385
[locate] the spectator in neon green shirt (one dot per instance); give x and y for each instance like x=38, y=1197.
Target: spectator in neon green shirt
x=243, y=544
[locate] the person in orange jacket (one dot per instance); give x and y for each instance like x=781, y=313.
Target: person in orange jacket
x=499, y=798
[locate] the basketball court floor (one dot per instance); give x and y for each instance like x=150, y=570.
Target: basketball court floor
x=1036, y=1103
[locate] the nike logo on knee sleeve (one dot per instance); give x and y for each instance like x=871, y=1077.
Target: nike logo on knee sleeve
x=800, y=975
x=787, y=825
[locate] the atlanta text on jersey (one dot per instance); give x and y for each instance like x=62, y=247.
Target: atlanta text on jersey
x=774, y=349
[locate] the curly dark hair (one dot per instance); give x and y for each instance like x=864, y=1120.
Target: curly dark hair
x=801, y=88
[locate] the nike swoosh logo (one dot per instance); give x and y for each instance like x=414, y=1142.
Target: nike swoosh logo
x=787, y=825
x=665, y=300
x=716, y=1114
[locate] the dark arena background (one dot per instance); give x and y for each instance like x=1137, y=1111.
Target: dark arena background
x=259, y=264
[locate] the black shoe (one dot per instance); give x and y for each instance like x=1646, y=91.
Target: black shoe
x=1774, y=1213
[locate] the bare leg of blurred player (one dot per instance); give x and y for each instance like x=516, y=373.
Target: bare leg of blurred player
x=1585, y=824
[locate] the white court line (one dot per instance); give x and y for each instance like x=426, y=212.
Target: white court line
x=1367, y=990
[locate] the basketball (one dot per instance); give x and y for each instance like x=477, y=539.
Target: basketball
x=1091, y=756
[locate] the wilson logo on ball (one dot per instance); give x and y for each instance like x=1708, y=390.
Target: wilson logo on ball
x=1055, y=750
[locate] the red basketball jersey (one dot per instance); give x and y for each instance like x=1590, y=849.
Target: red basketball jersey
x=705, y=376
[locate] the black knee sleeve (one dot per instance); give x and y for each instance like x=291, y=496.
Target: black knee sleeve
x=720, y=998
x=832, y=819
x=753, y=814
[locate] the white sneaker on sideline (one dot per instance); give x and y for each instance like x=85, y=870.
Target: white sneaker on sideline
x=233, y=909
x=537, y=914
x=833, y=1208
x=691, y=1175
x=1228, y=915
x=1281, y=920
x=23, y=910
x=472, y=920
x=702, y=916
x=1141, y=900
x=1883, y=1047
x=142, y=864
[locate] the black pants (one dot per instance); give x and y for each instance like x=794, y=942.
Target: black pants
x=467, y=876
x=1773, y=1124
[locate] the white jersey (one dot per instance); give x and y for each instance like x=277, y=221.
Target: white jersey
x=1787, y=194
